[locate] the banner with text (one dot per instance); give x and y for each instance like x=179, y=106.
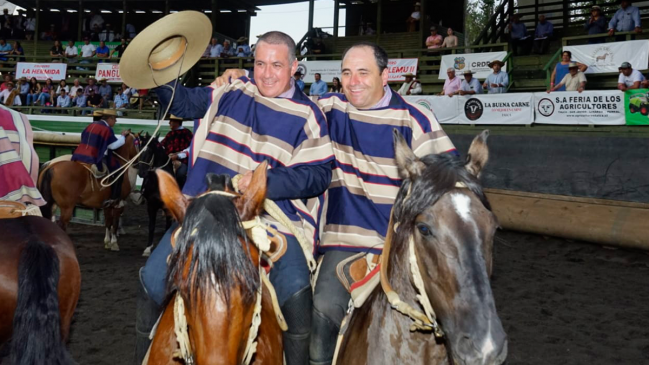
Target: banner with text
x=444, y=108
x=515, y=108
x=601, y=107
x=636, y=106
x=330, y=69
x=476, y=62
x=108, y=71
x=41, y=71
x=607, y=57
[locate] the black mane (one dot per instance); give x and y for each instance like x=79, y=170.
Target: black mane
x=211, y=232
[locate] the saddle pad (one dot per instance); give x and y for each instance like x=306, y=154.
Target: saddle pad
x=358, y=274
x=10, y=209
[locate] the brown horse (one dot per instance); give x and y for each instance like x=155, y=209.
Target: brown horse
x=213, y=270
x=39, y=289
x=443, y=213
x=66, y=184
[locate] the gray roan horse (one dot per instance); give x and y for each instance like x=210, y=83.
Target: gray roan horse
x=443, y=211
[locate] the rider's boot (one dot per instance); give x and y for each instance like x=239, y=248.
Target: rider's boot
x=297, y=312
x=147, y=313
x=324, y=336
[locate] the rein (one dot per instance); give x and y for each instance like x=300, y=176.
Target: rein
x=421, y=321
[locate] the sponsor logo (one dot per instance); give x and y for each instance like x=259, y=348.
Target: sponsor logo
x=546, y=107
x=459, y=63
x=425, y=103
x=301, y=67
x=473, y=109
x=603, y=56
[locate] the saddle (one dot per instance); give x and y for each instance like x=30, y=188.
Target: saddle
x=11, y=209
x=358, y=274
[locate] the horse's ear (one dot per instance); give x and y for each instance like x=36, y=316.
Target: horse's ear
x=409, y=165
x=253, y=198
x=171, y=196
x=478, y=154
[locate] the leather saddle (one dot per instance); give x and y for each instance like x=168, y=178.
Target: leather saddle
x=11, y=209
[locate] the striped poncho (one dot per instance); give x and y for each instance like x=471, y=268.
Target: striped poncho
x=365, y=179
x=18, y=160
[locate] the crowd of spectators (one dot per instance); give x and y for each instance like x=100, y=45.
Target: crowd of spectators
x=437, y=42
x=61, y=95
x=226, y=49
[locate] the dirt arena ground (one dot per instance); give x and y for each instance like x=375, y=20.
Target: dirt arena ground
x=560, y=302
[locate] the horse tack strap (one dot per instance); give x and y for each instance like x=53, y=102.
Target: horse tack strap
x=184, y=351
x=12, y=209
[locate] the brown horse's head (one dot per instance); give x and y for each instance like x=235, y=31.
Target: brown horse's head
x=213, y=265
x=442, y=206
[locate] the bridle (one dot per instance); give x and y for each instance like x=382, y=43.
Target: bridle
x=150, y=166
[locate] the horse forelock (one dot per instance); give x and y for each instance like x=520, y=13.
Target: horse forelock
x=208, y=257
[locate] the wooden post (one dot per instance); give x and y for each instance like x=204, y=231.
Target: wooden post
x=336, y=17
x=422, y=17
x=80, y=11
x=379, y=14
x=124, y=20
x=566, y=14
x=311, y=10
x=215, y=12
x=38, y=17
x=167, y=7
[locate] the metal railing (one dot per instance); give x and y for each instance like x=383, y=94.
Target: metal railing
x=79, y=112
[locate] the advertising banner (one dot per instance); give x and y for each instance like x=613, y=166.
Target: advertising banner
x=513, y=108
x=330, y=69
x=108, y=71
x=444, y=108
x=41, y=71
x=476, y=62
x=607, y=57
x=599, y=107
x=636, y=107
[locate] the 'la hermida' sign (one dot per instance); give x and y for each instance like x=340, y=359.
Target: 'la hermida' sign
x=41, y=71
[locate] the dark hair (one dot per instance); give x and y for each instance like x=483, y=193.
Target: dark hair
x=335, y=88
x=317, y=73
x=380, y=55
x=276, y=37
x=568, y=52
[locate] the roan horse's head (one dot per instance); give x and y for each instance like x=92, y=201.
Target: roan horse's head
x=453, y=228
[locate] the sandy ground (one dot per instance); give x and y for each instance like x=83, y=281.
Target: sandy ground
x=561, y=302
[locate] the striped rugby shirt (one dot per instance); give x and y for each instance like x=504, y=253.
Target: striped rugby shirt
x=239, y=129
x=365, y=179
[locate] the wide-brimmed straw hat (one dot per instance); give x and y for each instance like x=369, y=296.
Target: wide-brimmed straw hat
x=97, y=113
x=573, y=65
x=109, y=112
x=409, y=74
x=496, y=62
x=154, y=56
x=468, y=72
x=173, y=117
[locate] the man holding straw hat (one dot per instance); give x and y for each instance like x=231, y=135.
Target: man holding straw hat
x=239, y=126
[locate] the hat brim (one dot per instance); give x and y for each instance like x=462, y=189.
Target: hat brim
x=134, y=66
x=491, y=64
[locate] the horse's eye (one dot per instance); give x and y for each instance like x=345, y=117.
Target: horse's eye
x=424, y=230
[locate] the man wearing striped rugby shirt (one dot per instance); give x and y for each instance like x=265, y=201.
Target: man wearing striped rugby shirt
x=365, y=180
x=240, y=126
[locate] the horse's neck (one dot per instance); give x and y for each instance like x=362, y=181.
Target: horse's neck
x=161, y=160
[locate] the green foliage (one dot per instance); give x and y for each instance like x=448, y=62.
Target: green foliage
x=478, y=14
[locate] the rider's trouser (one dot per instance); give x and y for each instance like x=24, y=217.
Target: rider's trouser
x=330, y=303
x=289, y=276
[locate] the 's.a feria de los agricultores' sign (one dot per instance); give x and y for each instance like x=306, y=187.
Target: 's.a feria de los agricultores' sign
x=597, y=107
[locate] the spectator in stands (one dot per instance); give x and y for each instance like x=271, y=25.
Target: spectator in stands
x=5, y=49
x=413, y=20
x=336, y=86
x=629, y=78
x=121, y=99
x=542, y=34
x=23, y=86
x=106, y=92
x=319, y=87
x=451, y=39
x=71, y=52
x=94, y=33
x=80, y=100
x=5, y=84
x=130, y=31
x=298, y=80
x=92, y=85
x=243, y=47
x=103, y=52
x=519, y=38
x=7, y=24
x=470, y=85
x=410, y=86
x=34, y=91
x=626, y=19
x=88, y=50
x=575, y=80
x=227, y=51
x=214, y=49
x=94, y=99
x=92, y=21
x=368, y=30
x=46, y=97
x=561, y=69
x=30, y=26
x=10, y=96
x=50, y=34
x=107, y=35
x=19, y=26
x=318, y=47
x=57, y=52
x=63, y=86
x=75, y=86
x=596, y=24
x=452, y=83
x=128, y=91
x=496, y=82
x=63, y=101
x=434, y=40
x=119, y=49
x=17, y=50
